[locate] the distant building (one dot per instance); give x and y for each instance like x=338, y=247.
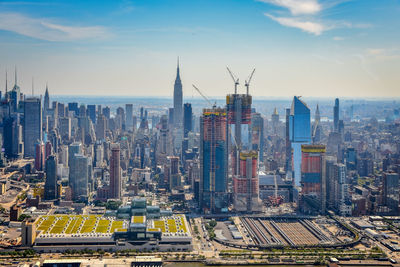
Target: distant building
x=115, y=172
x=129, y=116
x=336, y=111
x=79, y=177
x=32, y=125
x=178, y=100
x=187, y=119
x=50, y=186
x=391, y=187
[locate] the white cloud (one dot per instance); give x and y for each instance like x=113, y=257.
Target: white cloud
x=46, y=30
x=338, y=38
x=298, y=7
x=306, y=26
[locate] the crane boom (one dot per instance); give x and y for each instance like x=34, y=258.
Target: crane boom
x=205, y=98
x=234, y=78
x=247, y=83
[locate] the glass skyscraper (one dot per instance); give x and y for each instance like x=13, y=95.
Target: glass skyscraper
x=299, y=133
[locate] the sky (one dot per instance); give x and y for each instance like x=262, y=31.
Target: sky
x=312, y=48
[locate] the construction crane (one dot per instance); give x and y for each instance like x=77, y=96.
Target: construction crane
x=205, y=98
x=234, y=78
x=247, y=82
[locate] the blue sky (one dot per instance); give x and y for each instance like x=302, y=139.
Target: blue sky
x=317, y=48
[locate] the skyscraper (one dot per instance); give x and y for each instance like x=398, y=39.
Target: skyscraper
x=299, y=133
x=39, y=156
x=257, y=134
x=115, y=172
x=91, y=112
x=74, y=148
x=50, y=186
x=32, y=125
x=316, y=130
x=187, y=118
x=275, y=121
x=213, y=160
x=313, y=178
x=336, y=115
x=79, y=177
x=129, y=116
x=46, y=102
x=244, y=162
x=178, y=100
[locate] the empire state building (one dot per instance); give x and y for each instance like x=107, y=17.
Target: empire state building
x=178, y=101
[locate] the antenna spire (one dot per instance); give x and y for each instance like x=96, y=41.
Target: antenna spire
x=6, y=83
x=32, y=87
x=15, y=73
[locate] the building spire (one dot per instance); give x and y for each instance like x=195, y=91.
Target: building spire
x=178, y=77
x=6, y=84
x=15, y=73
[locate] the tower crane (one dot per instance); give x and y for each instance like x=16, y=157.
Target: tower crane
x=234, y=78
x=205, y=98
x=247, y=82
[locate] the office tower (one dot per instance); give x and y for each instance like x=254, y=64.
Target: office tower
x=74, y=108
x=313, y=179
x=213, y=161
x=79, y=177
x=129, y=116
x=65, y=128
x=134, y=123
x=275, y=121
x=257, y=134
x=32, y=125
x=107, y=112
x=187, y=118
x=336, y=111
x=164, y=135
x=391, y=187
x=101, y=128
x=46, y=102
x=299, y=133
x=61, y=110
x=50, y=186
x=178, y=100
x=115, y=172
x=48, y=149
x=342, y=190
x=174, y=175
x=12, y=136
x=316, y=130
x=39, y=156
x=74, y=148
x=15, y=95
x=91, y=112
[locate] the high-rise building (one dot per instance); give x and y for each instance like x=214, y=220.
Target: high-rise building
x=101, y=127
x=316, y=130
x=257, y=134
x=129, y=116
x=74, y=148
x=187, y=118
x=91, y=113
x=275, y=121
x=178, y=100
x=65, y=128
x=299, y=133
x=79, y=177
x=213, y=160
x=74, y=108
x=288, y=146
x=15, y=95
x=32, y=125
x=336, y=118
x=313, y=179
x=244, y=164
x=391, y=187
x=39, y=156
x=11, y=136
x=115, y=172
x=164, y=135
x=46, y=102
x=50, y=186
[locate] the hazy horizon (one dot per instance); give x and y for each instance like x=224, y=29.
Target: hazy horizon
x=306, y=47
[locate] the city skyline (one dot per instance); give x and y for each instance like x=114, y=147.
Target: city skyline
x=312, y=48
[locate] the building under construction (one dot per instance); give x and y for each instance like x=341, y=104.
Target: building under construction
x=213, y=161
x=244, y=160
